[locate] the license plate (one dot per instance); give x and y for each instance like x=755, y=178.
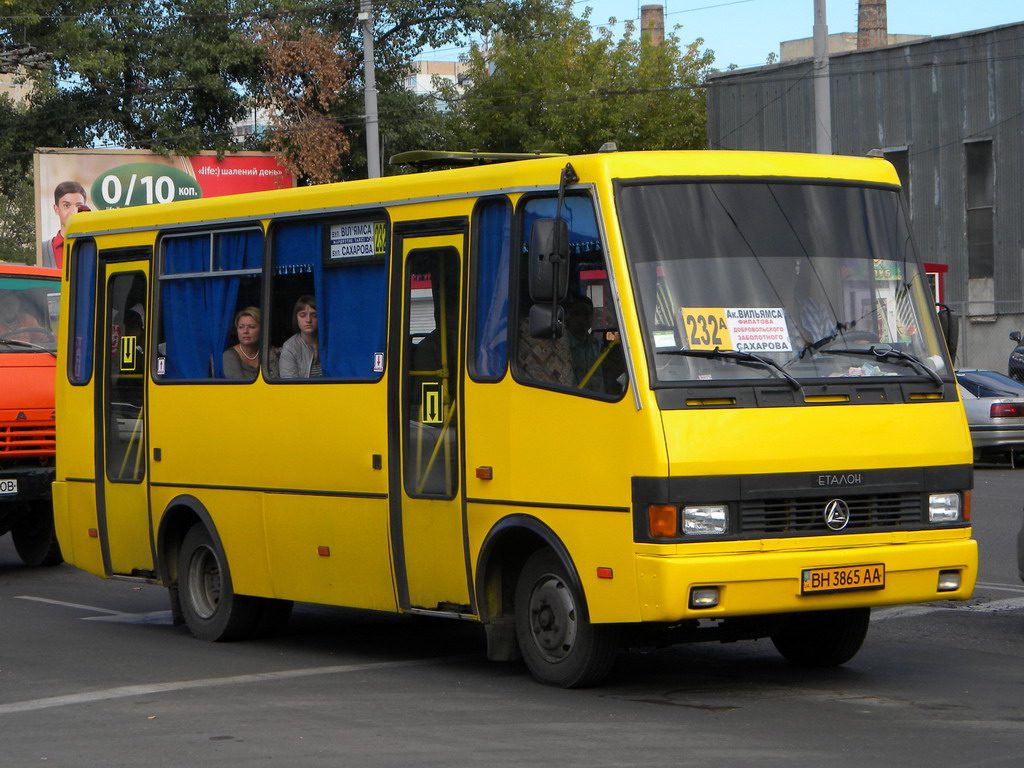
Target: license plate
x=847, y=578
x=9, y=487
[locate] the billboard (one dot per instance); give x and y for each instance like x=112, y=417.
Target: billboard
x=120, y=178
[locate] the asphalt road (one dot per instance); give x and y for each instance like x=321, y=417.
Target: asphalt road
x=93, y=674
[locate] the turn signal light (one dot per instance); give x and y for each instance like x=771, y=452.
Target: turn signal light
x=663, y=521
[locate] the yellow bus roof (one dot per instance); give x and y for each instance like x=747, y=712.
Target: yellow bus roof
x=542, y=172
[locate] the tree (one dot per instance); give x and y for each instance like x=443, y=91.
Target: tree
x=403, y=28
x=304, y=78
x=175, y=75
x=557, y=87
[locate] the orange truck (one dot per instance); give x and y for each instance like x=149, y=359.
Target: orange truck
x=29, y=305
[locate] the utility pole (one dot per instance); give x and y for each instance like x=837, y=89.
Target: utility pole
x=370, y=92
x=822, y=83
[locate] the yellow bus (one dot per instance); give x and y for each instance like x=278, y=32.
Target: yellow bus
x=590, y=402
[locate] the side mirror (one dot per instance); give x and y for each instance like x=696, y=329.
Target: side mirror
x=547, y=322
x=1015, y=336
x=549, y=260
x=949, y=321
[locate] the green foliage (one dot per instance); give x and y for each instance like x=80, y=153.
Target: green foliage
x=556, y=86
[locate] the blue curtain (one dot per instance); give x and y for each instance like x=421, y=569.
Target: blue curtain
x=351, y=302
x=183, y=308
x=84, y=258
x=493, y=245
x=197, y=312
x=232, y=250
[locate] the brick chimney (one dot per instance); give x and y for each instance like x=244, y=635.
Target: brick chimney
x=872, y=24
x=652, y=22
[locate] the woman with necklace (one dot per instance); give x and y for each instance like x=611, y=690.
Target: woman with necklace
x=300, y=355
x=242, y=361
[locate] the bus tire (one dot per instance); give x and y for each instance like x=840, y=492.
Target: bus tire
x=209, y=604
x=559, y=645
x=823, y=638
x=34, y=537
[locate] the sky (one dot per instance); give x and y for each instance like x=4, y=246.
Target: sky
x=744, y=32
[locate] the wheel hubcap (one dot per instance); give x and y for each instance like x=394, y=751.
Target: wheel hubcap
x=204, y=582
x=553, y=618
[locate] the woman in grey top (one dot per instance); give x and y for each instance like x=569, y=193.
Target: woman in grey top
x=300, y=355
x=242, y=361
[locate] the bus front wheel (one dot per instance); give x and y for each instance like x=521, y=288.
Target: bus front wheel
x=559, y=645
x=823, y=638
x=211, y=609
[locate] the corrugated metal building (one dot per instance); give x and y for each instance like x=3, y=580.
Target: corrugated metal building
x=949, y=113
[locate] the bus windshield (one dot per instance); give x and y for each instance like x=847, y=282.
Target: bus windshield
x=28, y=313
x=777, y=280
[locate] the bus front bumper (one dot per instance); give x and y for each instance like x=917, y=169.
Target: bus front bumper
x=675, y=588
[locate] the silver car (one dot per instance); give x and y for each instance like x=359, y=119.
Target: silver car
x=995, y=413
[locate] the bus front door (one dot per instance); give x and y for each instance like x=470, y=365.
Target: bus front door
x=124, y=500
x=430, y=542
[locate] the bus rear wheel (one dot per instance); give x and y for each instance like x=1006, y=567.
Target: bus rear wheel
x=823, y=638
x=34, y=537
x=559, y=645
x=211, y=609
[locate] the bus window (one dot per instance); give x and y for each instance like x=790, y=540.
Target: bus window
x=817, y=280
x=125, y=386
x=489, y=329
x=342, y=264
x=431, y=397
x=204, y=280
x=83, y=302
x=586, y=357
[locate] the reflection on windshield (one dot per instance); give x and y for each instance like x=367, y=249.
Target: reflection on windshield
x=820, y=280
x=28, y=314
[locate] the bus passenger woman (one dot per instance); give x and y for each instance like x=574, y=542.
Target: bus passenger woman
x=242, y=361
x=300, y=355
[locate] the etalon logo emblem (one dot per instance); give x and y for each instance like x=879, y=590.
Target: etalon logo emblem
x=837, y=514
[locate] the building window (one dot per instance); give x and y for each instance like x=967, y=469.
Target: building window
x=980, y=177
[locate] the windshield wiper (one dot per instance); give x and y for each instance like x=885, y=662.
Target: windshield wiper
x=882, y=351
x=739, y=356
x=27, y=344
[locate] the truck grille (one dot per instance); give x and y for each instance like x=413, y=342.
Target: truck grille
x=27, y=440
x=806, y=515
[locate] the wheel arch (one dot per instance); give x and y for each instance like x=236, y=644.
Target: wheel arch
x=507, y=546
x=181, y=513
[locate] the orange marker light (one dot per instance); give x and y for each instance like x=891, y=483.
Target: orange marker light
x=323, y=551
x=967, y=506
x=604, y=573
x=93, y=533
x=663, y=521
x=484, y=473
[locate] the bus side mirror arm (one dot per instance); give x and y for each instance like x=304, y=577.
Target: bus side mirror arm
x=949, y=321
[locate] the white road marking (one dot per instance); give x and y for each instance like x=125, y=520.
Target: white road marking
x=908, y=611
x=149, y=689
x=90, y=608
x=1002, y=587
x=158, y=618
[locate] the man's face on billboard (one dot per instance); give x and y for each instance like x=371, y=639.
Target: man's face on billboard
x=67, y=205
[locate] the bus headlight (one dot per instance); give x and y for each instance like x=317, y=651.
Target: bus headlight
x=705, y=519
x=944, y=508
